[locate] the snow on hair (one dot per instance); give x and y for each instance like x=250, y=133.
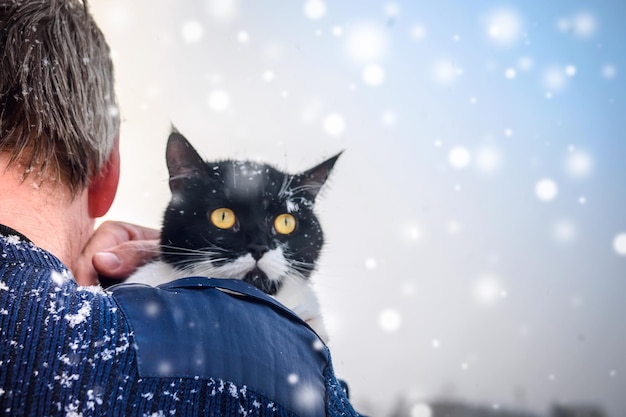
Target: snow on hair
x=58, y=111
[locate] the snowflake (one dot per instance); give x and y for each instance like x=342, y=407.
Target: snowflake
x=58, y=278
x=94, y=289
x=66, y=380
x=159, y=413
x=107, y=354
x=12, y=239
x=72, y=411
x=80, y=316
x=172, y=394
x=64, y=359
x=232, y=389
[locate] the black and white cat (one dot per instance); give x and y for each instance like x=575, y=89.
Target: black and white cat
x=244, y=220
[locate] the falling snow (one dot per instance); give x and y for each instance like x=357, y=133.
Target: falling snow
x=219, y=100
x=315, y=9
x=445, y=71
x=390, y=320
x=373, y=75
x=488, y=291
x=366, y=42
x=488, y=159
x=619, y=244
x=243, y=36
x=504, y=26
x=192, y=31
x=334, y=124
x=546, y=189
x=292, y=379
x=459, y=157
x=578, y=164
x=480, y=195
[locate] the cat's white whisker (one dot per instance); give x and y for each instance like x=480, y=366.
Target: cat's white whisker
x=284, y=191
x=210, y=249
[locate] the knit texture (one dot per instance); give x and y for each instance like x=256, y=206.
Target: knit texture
x=67, y=350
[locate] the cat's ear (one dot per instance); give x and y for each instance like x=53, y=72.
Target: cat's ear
x=183, y=162
x=312, y=180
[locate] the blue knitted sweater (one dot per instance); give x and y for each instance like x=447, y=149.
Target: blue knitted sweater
x=196, y=348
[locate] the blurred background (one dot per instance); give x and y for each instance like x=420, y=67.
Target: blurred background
x=476, y=222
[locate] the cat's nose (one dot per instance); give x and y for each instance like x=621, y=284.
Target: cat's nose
x=257, y=251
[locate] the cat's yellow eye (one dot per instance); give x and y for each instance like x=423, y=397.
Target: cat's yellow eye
x=285, y=223
x=223, y=218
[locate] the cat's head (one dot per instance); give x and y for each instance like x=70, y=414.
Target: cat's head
x=241, y=219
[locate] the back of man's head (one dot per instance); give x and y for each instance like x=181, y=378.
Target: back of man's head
x=58, y=112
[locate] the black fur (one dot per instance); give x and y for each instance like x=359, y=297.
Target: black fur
x=257, y=193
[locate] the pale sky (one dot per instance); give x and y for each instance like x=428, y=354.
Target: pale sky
x=476, y=230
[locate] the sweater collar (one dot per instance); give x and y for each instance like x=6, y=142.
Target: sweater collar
x=15, y=247
x=7, y=231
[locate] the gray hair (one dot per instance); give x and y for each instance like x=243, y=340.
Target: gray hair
x=58, y=111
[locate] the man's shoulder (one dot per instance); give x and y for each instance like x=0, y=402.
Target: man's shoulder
x=198, y=339
x=226, y=329
x=54, y=335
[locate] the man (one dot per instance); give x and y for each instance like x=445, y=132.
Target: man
x=197, y=347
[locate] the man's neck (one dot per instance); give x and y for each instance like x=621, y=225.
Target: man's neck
x=46, y=213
